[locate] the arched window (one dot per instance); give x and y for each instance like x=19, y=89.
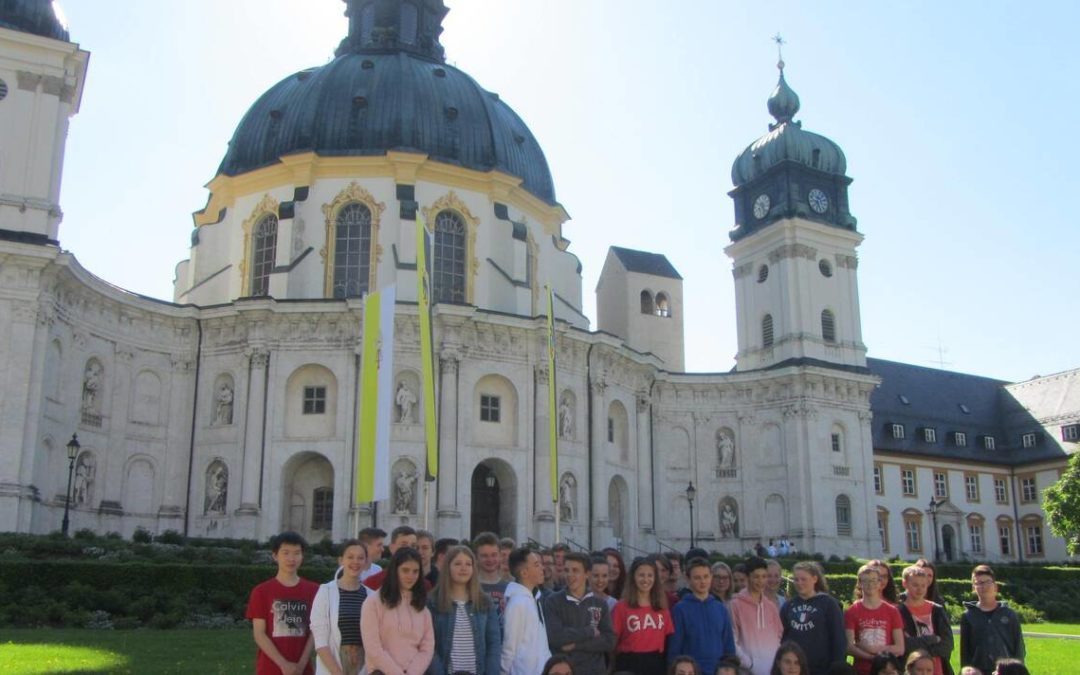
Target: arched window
x=843, y=516
x=663, y=305
x=352, y=251
x=646, y=303
x=767, y=331
x=828, y=326
x=448, y=258
x=263, y=251
x=407, y=32
x=322, y=508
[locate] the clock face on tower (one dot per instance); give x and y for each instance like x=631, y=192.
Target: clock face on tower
x=818, y=201
x=761, y=206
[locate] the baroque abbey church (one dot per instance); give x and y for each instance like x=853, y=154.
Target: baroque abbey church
x=231, y=411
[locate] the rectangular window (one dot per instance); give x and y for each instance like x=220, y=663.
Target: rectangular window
x=960, y=439
x=907, y=482
x=1070, y=432
x=314, y=400
x=1033, y=539
x=489, y=408
x=1005, y=539
x=322, y=509
x=879, y=484
x=975, y=533
x=611, y=430
x=883, y=532
x=1028, y=440
x=929, y=435
x=914, y=537
x=941, y=485
x=1001, y=491
x=988, y=442
x=1028, y=491
x=971, y=486
x=898, y=431
x=835, y=441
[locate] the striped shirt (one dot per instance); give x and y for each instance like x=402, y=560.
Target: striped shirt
x=463, y=647
x=349, y=615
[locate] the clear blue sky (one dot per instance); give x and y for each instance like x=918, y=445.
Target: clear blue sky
x=957, y=118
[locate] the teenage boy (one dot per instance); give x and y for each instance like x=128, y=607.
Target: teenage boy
x=486, y=547
x=755, y=621
x=926, y=624
x=559, y=551
x=548, y=560
x=506, y=547
x=425, y=545
x=872, y=625
x=402, y=536
x=578, y=622
x=280, y=612
x=372, y=539
x=525, y=644
x=442, y=546
x=702, y=624
x=989, y=630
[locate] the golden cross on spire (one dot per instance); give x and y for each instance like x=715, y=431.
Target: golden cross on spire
x=779, y=50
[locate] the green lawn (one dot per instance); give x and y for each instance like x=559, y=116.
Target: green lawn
x=225, y=651
x=1059, y=628
x=25, y=651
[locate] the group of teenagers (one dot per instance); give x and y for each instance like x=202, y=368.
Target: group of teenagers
x=486, y=607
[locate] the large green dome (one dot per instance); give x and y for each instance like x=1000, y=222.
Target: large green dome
x=389, y=89
x=32, y=16
x=787, y=141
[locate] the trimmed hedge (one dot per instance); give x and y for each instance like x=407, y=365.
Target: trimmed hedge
x=129, y=595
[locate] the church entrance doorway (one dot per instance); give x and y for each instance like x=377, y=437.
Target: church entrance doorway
x=493, y=499
x=948, y=541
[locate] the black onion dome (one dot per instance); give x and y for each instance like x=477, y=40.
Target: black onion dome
x=382, y=94
x=32, y=16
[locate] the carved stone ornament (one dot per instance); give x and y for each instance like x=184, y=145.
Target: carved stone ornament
x=792, y=251
x=405, y=400
x=217, y=489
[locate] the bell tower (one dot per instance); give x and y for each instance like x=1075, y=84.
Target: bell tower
x=41, y=82
x=793, y=248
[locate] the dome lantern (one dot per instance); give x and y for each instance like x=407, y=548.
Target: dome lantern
x=38, y=17
x=382, y=26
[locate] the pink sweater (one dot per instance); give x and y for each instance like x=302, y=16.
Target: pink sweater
x=398, y=641
x=757, y=629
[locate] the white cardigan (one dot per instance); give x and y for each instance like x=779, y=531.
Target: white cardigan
x=324, y=623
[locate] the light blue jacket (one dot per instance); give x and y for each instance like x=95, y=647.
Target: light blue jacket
x=487, y=639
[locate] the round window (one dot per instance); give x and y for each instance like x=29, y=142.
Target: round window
x=825, y=267
x=762, y=273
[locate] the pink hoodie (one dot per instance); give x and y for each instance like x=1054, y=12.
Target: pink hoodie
x=757, y=629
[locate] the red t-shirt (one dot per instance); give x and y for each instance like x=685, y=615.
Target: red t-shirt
x=287, y=612
x=872, y=625
x=923, y=616
x=640, y=629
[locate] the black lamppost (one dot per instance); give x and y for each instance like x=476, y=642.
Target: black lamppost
x=73, y=452
x=691, y=492
x=932, y=510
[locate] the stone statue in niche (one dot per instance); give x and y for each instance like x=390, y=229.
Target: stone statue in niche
x=729, y=522
x=217, y=489
x=91, y=402
x=725, y=446
x=223, y=410
x=566, y=499
x=566, y=419
x=405, y=399
x=85, y=470
x=405, y=492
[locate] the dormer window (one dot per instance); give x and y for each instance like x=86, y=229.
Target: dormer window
x=897, y=431
x=1070, y=433
x=960, y=439
x=1028, y=440
x=988, y=443
x=929, y=435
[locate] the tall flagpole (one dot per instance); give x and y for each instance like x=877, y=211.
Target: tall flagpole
x=553, y=429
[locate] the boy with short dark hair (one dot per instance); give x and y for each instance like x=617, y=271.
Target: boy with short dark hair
x=578, y=622
x=401, y=537
x=486, y=547
x=280, y=612
x=372, y=539
x=702, y=624
x=989, y=630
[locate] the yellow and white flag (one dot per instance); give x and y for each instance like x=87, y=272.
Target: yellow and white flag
x=427, y=356
x=376, y=397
